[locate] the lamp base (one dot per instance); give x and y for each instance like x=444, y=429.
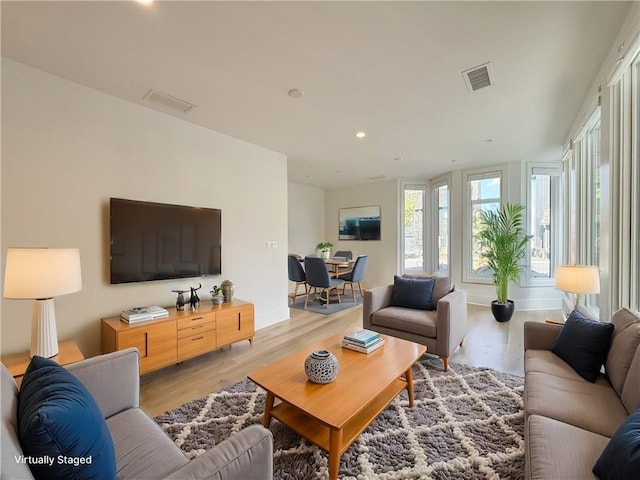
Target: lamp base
x=44, y=334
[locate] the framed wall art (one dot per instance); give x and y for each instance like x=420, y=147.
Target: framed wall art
x=359, y=223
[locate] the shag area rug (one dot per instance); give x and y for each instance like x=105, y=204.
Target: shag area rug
x=467, y=423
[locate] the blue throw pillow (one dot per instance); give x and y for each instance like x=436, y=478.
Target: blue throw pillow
x=412, y=293
x=61, y=429
x=620, y=459
x=584, y=344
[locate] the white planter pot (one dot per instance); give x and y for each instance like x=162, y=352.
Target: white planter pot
x=325, y=254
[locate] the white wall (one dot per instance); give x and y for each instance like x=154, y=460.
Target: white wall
x=382, y=253
x=306, y=218
x=66, y=149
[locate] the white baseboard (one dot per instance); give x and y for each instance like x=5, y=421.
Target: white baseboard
x=525, y=304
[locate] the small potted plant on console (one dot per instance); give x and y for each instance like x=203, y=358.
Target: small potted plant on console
x=217, y=297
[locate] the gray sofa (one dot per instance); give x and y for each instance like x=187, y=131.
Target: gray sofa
x=142, y=448
x=568, y=420
x=441, y=330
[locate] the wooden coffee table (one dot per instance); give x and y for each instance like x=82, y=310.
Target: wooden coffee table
x=332, y=416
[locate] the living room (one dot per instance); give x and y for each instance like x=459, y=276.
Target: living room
x=70, y=142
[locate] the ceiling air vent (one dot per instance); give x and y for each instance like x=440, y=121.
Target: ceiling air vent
x=478, y=77
x=168, y=101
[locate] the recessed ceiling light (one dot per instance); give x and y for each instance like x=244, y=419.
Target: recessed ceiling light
x=145, y=2
x=295, y=93
x=361, y=134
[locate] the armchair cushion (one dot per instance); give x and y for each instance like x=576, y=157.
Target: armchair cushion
x=413, y=293
x=620, y=459
x=59, y=420
x=442, y=286
x=584, y=344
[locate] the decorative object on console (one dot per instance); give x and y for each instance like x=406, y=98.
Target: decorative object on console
x=227, y=290
x=217, y=297
x=324, y=249
x=578, y=279
x=180, y=300
x=504, y=246
x=41, y=274
x=321, y=366
x=194, y=300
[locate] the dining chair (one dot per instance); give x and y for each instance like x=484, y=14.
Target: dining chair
x=318, y=278
x=297, y=274
x=348, y=254
x=356, y=275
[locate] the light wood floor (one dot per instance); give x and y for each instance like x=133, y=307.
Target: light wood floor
x=488, y=344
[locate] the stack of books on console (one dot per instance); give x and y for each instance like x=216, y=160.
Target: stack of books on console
x=364, y=341
x=142, y=314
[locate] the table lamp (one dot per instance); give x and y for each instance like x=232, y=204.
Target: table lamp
x=41, y=274
x=578, y=279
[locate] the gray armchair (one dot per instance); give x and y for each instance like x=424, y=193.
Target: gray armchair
x=142, y=448
x=441, y=330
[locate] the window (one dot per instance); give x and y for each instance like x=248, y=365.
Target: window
x=441, y=227
x=413, y=228
x=483, y=192
x=544, y=222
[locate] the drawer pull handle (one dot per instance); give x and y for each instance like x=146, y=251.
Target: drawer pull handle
x=194, y=319
x=197, y=326
x=197, y=338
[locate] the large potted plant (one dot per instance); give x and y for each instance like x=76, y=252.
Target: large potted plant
x=503, y=244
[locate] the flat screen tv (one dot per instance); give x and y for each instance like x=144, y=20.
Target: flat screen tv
x=157, y=241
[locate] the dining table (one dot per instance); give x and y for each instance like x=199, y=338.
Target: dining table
x=338, y=267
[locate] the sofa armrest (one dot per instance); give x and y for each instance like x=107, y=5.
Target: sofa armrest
x=540, y=336
x=375, y=299
x=247, y=455
x=112, y=379
x=451, y=322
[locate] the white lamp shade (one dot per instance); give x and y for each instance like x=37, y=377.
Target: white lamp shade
x=578, y=279
x=39, y=273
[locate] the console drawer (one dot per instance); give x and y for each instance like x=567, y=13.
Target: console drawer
x=196, y=344
x=196, y=319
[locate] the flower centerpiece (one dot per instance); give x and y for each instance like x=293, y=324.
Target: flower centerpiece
x=324, y=249
x=217, y=297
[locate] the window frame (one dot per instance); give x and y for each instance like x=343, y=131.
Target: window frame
x=557, y=218
x=499, y=171
x=415, y=185
x=434, y=250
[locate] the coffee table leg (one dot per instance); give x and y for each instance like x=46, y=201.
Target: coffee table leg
x=408, y=376
x=335, y=441
x=268, y=405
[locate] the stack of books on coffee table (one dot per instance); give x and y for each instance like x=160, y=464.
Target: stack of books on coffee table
x=364, y=341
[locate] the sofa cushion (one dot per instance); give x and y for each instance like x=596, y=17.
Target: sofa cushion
x=10, y=448
x=592, y=406
x=626, y=338
x=584, y=344
x=142, y=448
x=412, y=293
x=620, y=460
x=59, y=419
x=418, y=322
x=630, y=390
x=545, y=361
x=442, y=286
x=557, y=450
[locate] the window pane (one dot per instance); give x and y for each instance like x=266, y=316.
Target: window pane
x=413, y=229
x=485, y=195
x=442, y=194
x=540, y=227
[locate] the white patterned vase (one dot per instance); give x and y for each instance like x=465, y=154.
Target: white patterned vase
x=321, y=366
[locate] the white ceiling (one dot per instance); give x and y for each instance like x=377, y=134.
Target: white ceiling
x=392, y=69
